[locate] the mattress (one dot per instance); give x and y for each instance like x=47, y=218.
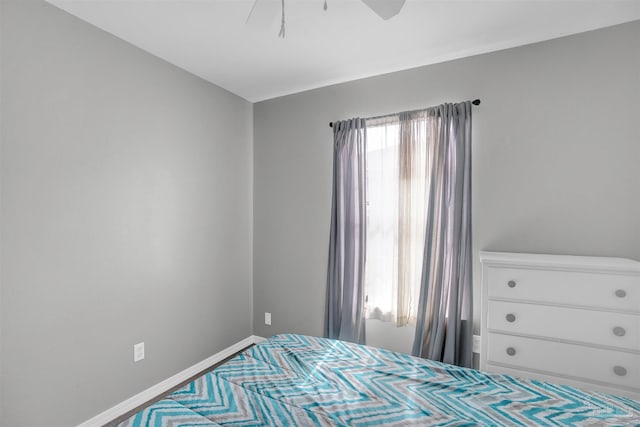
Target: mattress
x=296, y=380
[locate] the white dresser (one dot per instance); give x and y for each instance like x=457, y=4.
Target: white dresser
x=565, y=319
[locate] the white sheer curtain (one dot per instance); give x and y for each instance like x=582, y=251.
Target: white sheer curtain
x=397, y=182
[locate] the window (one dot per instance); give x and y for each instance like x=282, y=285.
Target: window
x=401, y=200
x=396, y=218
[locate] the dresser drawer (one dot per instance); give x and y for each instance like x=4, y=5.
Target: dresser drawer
x=609, y=291
x=563, y=323
x=579, y=384
x=568, y=360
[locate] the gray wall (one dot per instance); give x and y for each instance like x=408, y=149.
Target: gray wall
x=126, y=216
x=556, y=155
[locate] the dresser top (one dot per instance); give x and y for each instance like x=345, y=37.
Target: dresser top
x=571, y=262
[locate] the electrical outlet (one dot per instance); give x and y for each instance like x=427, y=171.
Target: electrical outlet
x=267, y=318
x=138, y=352
x=477, y=344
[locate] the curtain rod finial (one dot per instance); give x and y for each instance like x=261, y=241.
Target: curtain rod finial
x=476, y=102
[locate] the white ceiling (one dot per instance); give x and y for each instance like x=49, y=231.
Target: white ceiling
x=211, y=39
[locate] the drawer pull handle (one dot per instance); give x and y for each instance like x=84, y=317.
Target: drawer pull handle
x=620, y=371
x=512, y=352
x=512, y=284
x=512, y=318
x=621, y=293
x=619, y=331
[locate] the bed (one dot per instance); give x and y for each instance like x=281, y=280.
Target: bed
x=297, y=380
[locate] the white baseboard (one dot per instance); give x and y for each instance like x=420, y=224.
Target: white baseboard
x=160, y=388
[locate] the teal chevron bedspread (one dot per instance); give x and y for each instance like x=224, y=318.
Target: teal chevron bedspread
x=296, y=380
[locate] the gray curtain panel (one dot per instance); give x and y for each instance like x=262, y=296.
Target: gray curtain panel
x=444, y=318
x=347, y=246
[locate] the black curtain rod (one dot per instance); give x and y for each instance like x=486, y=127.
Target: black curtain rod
x=474, y=102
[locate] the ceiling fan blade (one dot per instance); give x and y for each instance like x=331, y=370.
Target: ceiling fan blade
x=385, y=9
x=263, y=14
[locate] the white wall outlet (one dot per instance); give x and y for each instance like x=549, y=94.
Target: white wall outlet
x=138, y=352
x=267, y=318
x=477, y=344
